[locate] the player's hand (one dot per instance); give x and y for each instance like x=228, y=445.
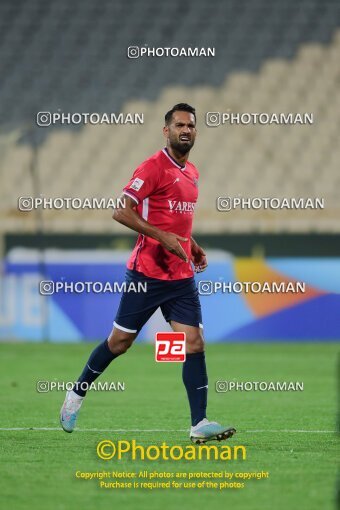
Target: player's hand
x=198, y=257
x=170, y=242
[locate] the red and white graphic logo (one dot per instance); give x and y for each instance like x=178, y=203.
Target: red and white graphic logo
x=170, y=346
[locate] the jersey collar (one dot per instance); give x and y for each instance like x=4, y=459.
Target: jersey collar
x=165, y=151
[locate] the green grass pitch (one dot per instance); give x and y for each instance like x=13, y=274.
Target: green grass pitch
x=288, y=434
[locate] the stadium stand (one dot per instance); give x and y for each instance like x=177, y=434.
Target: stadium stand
x=271, y=56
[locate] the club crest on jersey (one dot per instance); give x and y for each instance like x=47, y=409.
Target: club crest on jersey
x=137, y=184
x=176, y=206
x=195, y=181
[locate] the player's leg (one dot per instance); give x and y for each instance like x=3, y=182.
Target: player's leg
x=117, y=343
x=134, y=311
x=183, y=311
x=194, y=374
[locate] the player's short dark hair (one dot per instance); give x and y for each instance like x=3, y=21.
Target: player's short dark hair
x=180, y=107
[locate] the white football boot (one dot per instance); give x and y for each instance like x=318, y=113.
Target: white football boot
x=207, y=430
x=70, y=410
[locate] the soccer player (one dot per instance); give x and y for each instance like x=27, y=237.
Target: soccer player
x=160, y=201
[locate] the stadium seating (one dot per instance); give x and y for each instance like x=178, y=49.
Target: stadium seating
x=270, y=57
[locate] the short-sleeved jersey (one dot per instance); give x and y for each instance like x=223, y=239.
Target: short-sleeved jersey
x=166, y=194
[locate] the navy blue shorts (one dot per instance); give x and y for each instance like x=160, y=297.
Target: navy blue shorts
x=178, y=300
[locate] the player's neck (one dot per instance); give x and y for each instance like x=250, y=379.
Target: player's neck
x=179, y=158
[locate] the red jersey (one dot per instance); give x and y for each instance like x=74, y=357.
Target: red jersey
x=166, y=194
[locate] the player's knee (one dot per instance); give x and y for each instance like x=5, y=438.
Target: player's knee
x=120, y=346
x=120, y=342
x=195, y=343
x=123, y=346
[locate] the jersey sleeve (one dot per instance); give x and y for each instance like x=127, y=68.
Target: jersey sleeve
x=143, y=183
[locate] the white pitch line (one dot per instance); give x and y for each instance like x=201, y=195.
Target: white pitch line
x=259, y=431
x=291, y=431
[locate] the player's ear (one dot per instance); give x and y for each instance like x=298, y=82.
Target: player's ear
x=166, y=131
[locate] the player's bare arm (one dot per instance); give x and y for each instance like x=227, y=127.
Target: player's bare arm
x=198, y=257
x=129, y=217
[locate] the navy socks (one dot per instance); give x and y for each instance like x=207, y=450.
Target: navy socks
x=196, y=383
x=194, y=377
x=100, y=359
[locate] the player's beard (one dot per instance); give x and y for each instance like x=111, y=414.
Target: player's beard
x=181, y=147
